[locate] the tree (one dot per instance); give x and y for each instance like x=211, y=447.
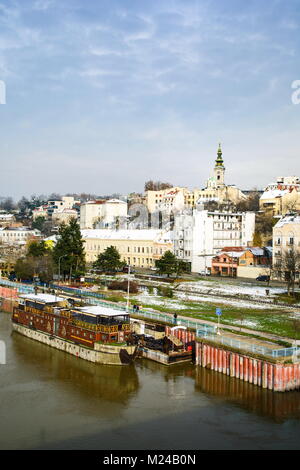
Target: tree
x=37, y=249
x=109, y=260
x=290, y=265
x=257, y=239
x=68, y=253
x=39, y=223
x=156, y=185
x=25, y=269
x=169, y=264
x=8, y=204
x=251, y=203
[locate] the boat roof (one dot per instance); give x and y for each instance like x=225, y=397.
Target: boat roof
x=102, y=311
x=46, y=298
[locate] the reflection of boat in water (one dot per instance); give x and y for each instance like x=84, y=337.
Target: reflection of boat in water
x=186, y=369
x=92, y=381
x=263, y=402
x=95, y=333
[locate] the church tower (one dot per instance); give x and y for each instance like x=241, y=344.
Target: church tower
x=219, y=170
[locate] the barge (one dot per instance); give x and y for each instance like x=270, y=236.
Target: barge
x=94, y=333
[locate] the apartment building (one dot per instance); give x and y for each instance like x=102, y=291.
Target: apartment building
x=286, y=238
x=200, y=235
x=102, y=213
x=281, y=197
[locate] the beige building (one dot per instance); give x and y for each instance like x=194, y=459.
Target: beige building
x=6, y=219
x=139, y=248
x=166, y=200
x=64, y=216
x=286, y=237
x=101, y=212
x=281, y=197
x=179, y=198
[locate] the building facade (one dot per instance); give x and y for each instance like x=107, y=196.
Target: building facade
x=139, y=248
x=102, y=213
x=281, y=197
x=200, y=235
x=12, y=236
x=286, y=239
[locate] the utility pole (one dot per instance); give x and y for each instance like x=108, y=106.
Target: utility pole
x=128, y=288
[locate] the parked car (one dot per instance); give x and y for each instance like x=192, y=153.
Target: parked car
x=263, y=278
x=126, y=269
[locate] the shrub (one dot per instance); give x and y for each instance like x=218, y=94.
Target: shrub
x=123, y=285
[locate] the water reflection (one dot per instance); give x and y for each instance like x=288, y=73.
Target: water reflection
x=277, y=406
x=111, y=383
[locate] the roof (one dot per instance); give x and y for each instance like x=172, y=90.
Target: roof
x=271, y=194
x=231, y=254
x=288, y=219
x=256, y=251
x=115, y=201
x=46, y=298
x=102, y=311
x=107, y=234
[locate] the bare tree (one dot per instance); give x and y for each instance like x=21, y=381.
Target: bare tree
x=290, y=265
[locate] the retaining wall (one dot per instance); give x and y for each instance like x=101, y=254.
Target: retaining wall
x=260, y=372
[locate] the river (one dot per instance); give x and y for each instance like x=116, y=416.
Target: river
x=50, y=400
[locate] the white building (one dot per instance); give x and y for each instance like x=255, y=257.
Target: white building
x=17, y=235
x=201, y=235
x=53, y=207
x=64, y=216
x=102, y=214
x=6, y=219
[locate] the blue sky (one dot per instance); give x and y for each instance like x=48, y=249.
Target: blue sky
x=104, y=95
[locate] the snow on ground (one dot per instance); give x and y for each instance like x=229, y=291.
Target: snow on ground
x=149, y=299
x=244, y=288
x=178, y=302
x=219, y=301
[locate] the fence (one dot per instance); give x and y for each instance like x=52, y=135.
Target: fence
x=202, y=329
x=247, y=346
x=74, y=290
x=21, y=288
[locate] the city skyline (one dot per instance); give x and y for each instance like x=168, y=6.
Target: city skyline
x=103, y=97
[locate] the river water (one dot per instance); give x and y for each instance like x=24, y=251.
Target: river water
x=50, y=400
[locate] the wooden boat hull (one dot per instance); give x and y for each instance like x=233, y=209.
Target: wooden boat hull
x=102, y=354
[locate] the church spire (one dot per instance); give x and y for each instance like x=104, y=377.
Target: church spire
x=219, y=160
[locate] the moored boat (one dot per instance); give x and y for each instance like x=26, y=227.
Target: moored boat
x=95, y=333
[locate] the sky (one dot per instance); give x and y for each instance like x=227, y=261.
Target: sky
x=104, y=95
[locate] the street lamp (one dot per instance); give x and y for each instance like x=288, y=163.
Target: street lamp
x=63, y=256
x=128, y=287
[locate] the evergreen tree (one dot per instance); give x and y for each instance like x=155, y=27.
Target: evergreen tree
x=68, y=253
x=38, y=223
x=169, y=264
x=37, y=249
x=109, y=260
